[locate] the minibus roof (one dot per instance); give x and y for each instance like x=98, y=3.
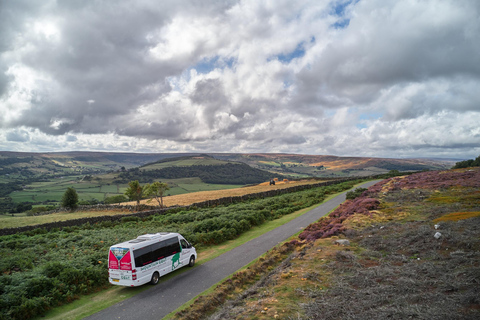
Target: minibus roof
x=146, y=238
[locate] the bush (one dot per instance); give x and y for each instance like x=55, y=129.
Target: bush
x=115, y=199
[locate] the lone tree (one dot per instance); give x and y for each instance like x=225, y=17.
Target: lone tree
x=70, y=199
x=156, y=190
x=134, y=192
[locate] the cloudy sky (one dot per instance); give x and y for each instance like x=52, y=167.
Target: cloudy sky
x=383, y=78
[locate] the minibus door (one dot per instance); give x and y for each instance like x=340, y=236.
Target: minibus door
x=186, y=251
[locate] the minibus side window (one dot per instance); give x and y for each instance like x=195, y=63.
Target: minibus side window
x=173, y=246
x=143, y=256
x=159, y=250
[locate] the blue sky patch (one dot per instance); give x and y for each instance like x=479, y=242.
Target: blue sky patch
x=207, y=65
x=338, y=9
x=297, y=53
x=364, y=117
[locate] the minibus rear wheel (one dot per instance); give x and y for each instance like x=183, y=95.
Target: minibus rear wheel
x=155, y=278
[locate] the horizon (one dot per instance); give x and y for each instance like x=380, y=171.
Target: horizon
x=240, y=153
x=370, y=78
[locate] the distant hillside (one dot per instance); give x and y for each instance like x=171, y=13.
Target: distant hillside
x=208, y=169
x=28, y=178
x=16, y=166
x=333, y=166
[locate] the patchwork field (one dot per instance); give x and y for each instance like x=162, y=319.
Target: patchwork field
x=184, y=199
x=194, y=197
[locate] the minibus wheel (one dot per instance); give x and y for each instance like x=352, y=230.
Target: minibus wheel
x=192, y=261
x=155, y=278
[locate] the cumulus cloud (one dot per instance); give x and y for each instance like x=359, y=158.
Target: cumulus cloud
x=345, y=77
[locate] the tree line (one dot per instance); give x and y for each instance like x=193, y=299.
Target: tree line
x=468, y=163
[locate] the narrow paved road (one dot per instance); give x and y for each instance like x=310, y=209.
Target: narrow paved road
x=167, y=296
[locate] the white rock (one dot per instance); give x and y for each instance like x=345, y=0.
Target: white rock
x=437, y=226
x=343, y=242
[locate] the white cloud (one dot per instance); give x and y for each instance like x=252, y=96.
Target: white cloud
x=370, y=77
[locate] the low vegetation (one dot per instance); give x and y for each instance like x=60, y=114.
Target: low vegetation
x=412, y=251
x=41, y=270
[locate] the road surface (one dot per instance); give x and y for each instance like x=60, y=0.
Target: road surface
x=160, y=300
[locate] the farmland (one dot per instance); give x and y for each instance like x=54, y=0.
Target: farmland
x=183, y=199
x=41, y=178
x=46, y=184
x=332, y=166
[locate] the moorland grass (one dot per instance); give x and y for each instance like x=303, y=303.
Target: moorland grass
x=394, y=267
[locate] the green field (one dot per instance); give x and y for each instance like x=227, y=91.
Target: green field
x=53, y=191
x=88, y=176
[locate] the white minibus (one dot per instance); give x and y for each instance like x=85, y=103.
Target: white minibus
x=148, y=257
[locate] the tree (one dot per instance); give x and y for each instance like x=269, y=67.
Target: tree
x=134, y=192
x=156, y=190
x=70, y=199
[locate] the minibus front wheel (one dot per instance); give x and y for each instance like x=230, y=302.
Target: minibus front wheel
x=192, y=261
x=155, y=278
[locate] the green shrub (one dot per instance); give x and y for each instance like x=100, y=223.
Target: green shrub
x=355, y=193
x=130, y=219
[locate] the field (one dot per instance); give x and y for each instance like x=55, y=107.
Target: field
x=188, y=199
x=184, y=199
x=101, y=188
x=332, y=166
x=389, y=263
x=40, y=179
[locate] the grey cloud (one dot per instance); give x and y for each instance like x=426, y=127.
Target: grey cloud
x=210, y=94
x=18, y=136
x=391, y=59
x=102, y=55
x=169, y=129
x=387, y=51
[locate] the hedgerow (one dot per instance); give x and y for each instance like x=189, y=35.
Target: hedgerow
x=42, y=269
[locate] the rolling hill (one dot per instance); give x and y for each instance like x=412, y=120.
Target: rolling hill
x=42, y=178
x=333, y=166
x=208, y=169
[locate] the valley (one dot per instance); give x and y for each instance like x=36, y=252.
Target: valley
x=40, y=179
